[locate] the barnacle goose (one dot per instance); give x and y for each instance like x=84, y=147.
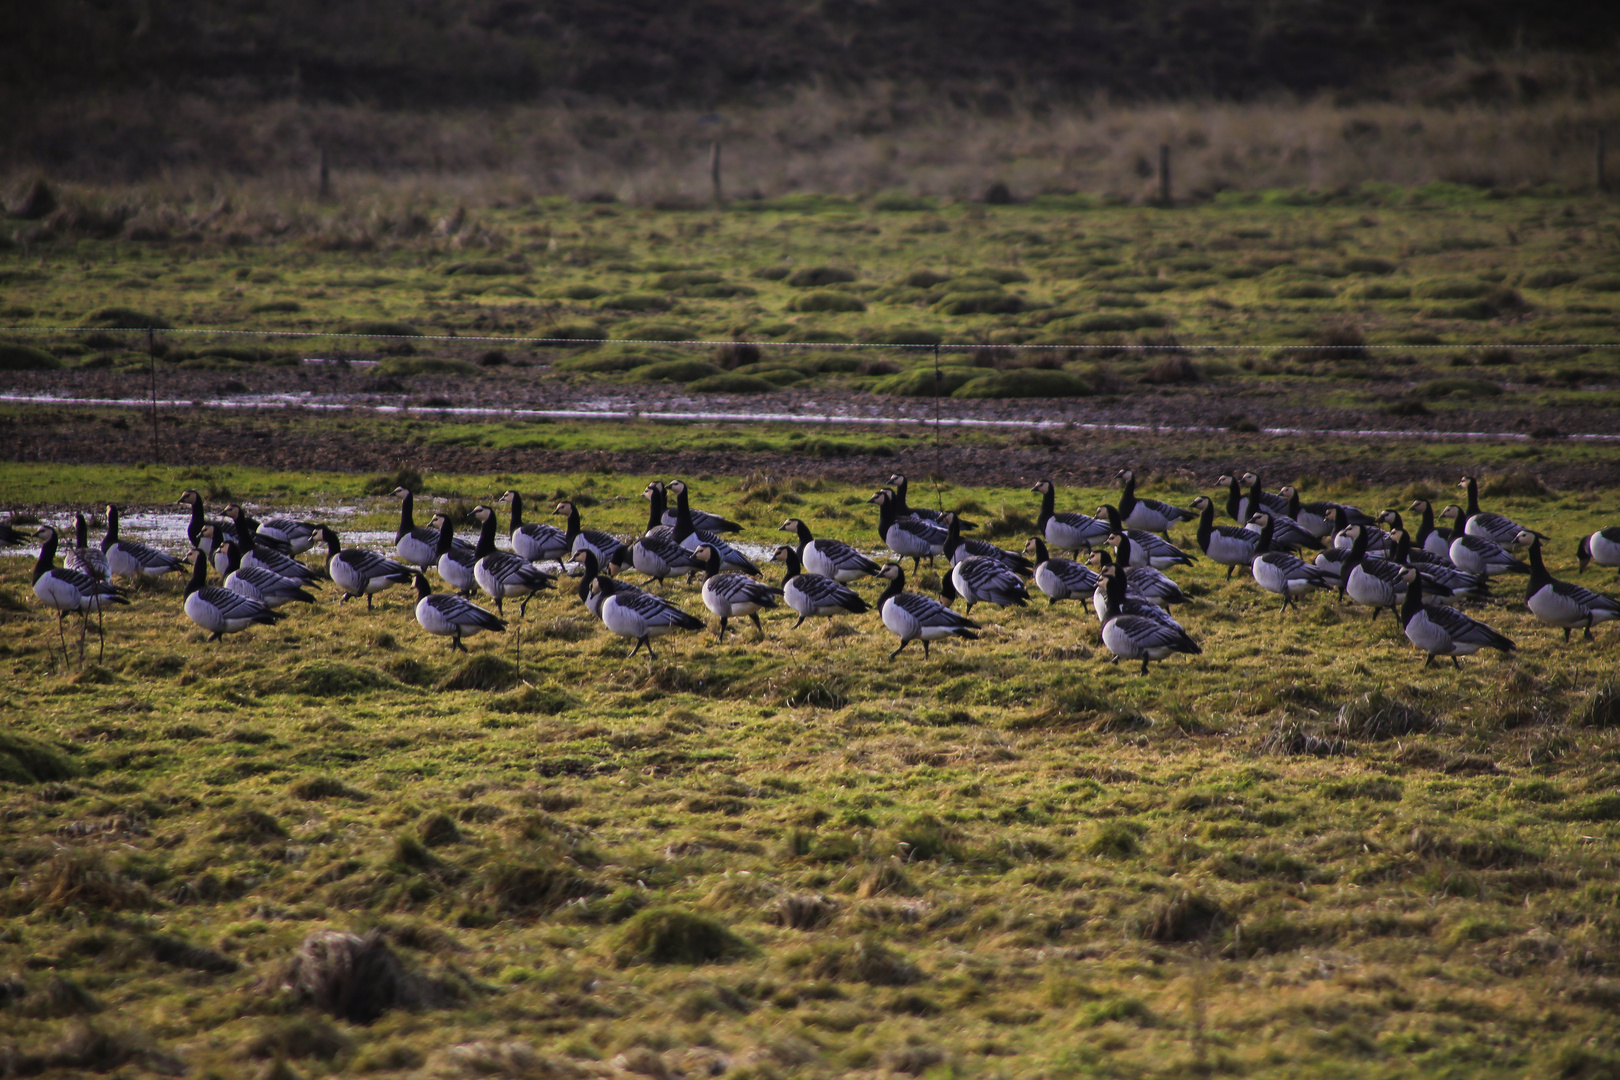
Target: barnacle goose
x=979, y=579
x=1283, y=572
x=1438, y=573
x=1066, y=531
x=455, y=564
x=1149, y=515
x=1494, y=527
x=731, y=595
x=829, y=558
x=501, y=573
x=1125, y=599
x=703, y=522
x=907, y=537
x=631, y=613
x=813, y=595
x=898, y=484
x=297, y=536
x=221, y=611
x=1144, y=548
x=1444, y=631
x=358, y=572
x=914, y=617
x=1144, y=582
x=247, y=533
x=257, y=583
x=1563, y=603
x=535, y=541
x=1602, y=547
x=257, y=553
x=655, y=553
x=1059, y=579
x=1430, y=539
x=1239, y=506
x=956, y=549
x=605, y=545
x=65, y=589
x=590, y=569
x=1139, y=637
x=689, y=535
x=1379, y=545
x=128, y=559
x=1476, y=554
x=223, y=530
x=1378, y=582
x=451, y=616
x=416, y=546
x=1231, y=546
x=87, y=560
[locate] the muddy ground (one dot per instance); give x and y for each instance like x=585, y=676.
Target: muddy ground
x=300, y=438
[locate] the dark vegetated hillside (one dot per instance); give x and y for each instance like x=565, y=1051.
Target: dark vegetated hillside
x=441, y=53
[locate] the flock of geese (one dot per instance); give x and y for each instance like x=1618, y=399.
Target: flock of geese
x=1121, y=555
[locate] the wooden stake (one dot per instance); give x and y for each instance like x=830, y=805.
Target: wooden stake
x=714, y=172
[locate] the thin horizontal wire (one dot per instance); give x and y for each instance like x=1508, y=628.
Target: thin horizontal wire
x=803, y=344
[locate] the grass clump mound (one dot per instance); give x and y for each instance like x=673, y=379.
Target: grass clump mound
x=332, y=678
x=827, y=300
x=1182, y=918
x=26, y=358
x=681, y=371
x=482, y=672
x=864, y=961
x=351, y=977
x=1517, y=484
x=1291, y=738
x=1377, y=716
x=547, y=700
x=516, y=888
x=123, y=318
x=816, y=277
x=609, y=361
x=486, y=268
x=384, y=328
x=25, y=761
x=250, y=827
x=1367, y=264
x=299, y=1038
x=658, y=332
x=404, y=477
x=1024, y=383
x=399, y=367
x=1120, y=322
x=920, y=382
x=981, y=303
x=1460, y=388
x=731, y=383
x=316, y=788
x=1304, y=290
x=1600, y=710
x=671, y=935
x=75, y=880
x=1550, y=279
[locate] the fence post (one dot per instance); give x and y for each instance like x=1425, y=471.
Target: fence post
x=1164, y=174
x=714, y=172
x=326, y=176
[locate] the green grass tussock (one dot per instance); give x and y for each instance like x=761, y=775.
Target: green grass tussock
x=731, y=383
x=671, y=935
x=483, y=672
x=28, y=761
x=15, y=357
x=1024, y=383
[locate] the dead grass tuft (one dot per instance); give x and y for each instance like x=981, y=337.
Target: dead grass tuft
x=866, y=961
x=804, y=911
x=351, y=977
x=1377, y=716
x=1601, y=709
x=298, y=1037
x=76, y=879
x=1185, y=917
x=484, y=671
x=1292, y=737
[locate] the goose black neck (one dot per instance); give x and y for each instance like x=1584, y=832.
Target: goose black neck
x=1426, y=524
x=1267, y=531
x=656, y=505
x=81, y=536
x=334, y=546
x=423, y=589
x=900, y=504
x=1122, y=554
x=803, y=532
x=683, y=515
x=407, y=515
x=486, y=536
x=1463, y=514
x=1414, y=599
x=517, y=511
x=1048, y=507
x=1112, y=514
x=195, y=527
x=885, y=516
x=1206, y=526
x=1040, y=551
x=1539, y=577
x=47, y=557
x=1403, y=546
x=1254, y=496
x=446, y=536
x=592, y=569
x=896, y=586
x=711, y=566
x=246, y=529
x=1114, y=593
x=1232, y=498
x=1358, y=552
x=112, y=527
x=1293, y=504
x=1472, y=490
x=199, y=574
x=953, y=536
x=233, y=558
x=573, y=522
x=1127, y=494
x=794, y=566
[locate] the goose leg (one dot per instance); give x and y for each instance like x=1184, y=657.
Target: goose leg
x=799, y=623
x=1456, y=663
x=640, y=641
x=925, y=648
x=1429, y=661
x=1376, y=610
x=523, y=606
x=757, y=626
x=1144, y=665
x=1588, y=636
x=1284, y=604
x=368, y=601
x=1229, y=570
x=722, y=636
x=900, y=650
x=101, y=636
x=61, y=634
x=1566, y=635
x=648, y=642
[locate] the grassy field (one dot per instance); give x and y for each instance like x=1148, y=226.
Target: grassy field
x=1439, y=274
x=1300, y=853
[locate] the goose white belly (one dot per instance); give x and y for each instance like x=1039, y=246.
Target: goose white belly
x=540, y=543
x=137, y=560
x=59, y=595
x=798, y=596
x=728, y=596
x=1284, y=576
x=353, y=580
x=1230, y=550
x=839, y=563
x=1365, y=587
x=1127, y=639
x=1557, y=609
x=456, y=574
x=907, y=544
x=220, y=611
x=1435, y=639
x=627, y=622
x=1149, y=518
x=417, y=550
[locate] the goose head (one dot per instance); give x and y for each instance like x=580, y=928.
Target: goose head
x=892, y=572
x=1451, y=511
x=189, y=497
x=782, y=553
x=1201, y=503
x=656, y=487
x=506, y=496
x=1043, y=487
x=563, y=509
